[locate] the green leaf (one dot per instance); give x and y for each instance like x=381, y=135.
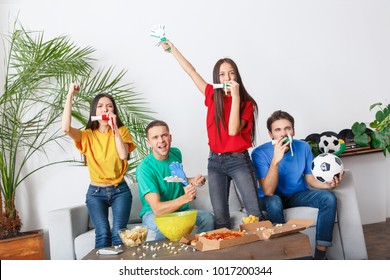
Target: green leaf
x=379, y=116
x=386, y=112
x=376, y=140
x=375, y=104
x=358, y=128
x=362, y=140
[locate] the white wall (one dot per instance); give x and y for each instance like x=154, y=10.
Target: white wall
x=324, y=62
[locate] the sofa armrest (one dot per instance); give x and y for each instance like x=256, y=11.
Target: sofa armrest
x=64, y=225
x=348, y=215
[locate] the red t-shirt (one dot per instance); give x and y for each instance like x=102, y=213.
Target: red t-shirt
x=226, y=143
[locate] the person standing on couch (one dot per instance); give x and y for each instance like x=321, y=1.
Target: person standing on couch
x=106, y=146
x=231, y=129
x=159, y=196
x=283, y=170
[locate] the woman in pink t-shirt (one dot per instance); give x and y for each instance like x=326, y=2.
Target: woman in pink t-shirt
x=231, y=129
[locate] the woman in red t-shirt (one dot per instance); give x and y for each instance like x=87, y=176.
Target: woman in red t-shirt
x=231, y=129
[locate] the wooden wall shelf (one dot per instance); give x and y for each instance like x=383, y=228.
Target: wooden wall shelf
x=360, y=152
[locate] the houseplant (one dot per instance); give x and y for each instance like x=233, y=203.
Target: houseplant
x=379, y=137
x=37, y=73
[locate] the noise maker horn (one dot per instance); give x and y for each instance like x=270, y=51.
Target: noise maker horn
x=104, y=118
x=289, y=139
x=215, y=86
x=100, y=118
x=158, y=31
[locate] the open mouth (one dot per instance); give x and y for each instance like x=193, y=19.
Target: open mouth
x=162, y=147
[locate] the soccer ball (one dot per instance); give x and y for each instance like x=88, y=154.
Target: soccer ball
x=329, y=142
x=325, y=166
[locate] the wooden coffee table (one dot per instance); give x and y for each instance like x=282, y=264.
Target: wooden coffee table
x=293, y=246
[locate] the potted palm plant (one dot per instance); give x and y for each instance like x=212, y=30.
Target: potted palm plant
x=379, y=136
x=37, y=73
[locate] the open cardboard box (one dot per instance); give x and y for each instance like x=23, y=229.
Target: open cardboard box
x=254, y=232
x=266, y=230
x=204, y=244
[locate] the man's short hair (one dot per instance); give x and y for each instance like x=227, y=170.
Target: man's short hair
x=279, y=115
x=155, y=123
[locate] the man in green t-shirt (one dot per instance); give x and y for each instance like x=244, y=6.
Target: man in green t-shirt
x=159, y=196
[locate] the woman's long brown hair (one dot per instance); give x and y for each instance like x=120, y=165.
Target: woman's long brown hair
x=244, y=96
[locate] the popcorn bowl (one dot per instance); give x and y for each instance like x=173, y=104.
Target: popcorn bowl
x=177, y=224
x=132, y=237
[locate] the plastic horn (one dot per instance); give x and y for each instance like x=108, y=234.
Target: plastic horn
x=285, y=141
x=104, y=118
x=158, y=31
x=290, y=139
x=215, y=86
x=100, y=118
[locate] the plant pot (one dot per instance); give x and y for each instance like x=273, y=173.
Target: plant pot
x=26, y=247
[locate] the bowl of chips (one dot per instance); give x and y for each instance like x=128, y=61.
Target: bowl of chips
x=250, y=219
x=177, y=224
x=135, y=236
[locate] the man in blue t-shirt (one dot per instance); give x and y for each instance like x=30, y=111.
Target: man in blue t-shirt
x=283, y=169
x=159, y=196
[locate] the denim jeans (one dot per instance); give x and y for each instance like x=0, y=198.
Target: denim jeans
x=98, y=200
x=324, y=200
x=204, y=221
x=222, y=168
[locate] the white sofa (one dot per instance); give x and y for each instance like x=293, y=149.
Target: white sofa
x=72, y=236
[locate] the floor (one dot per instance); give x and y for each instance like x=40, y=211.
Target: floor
x=377, y=238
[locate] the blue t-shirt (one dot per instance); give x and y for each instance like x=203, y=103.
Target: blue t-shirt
x=150, y=174
x=291, y=168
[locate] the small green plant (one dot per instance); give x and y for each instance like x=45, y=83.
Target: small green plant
x=379, y=137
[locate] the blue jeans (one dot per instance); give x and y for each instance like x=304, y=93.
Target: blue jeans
x=222, y=168
x=98, y=200
x=324, y=200
x=204, y=221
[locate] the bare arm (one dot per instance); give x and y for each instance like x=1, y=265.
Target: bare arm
x=74, y=133
x=121, y=147
x=270, y=181
x=187, y=67
x=164, y=207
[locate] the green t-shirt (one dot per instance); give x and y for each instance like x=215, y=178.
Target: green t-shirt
x=150, y=175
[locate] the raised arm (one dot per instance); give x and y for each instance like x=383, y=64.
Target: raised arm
x=74, y=133
x=187, y=66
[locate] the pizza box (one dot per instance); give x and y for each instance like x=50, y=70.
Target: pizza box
x=266, y=230
x=204, y=244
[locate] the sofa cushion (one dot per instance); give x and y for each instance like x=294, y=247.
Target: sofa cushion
x=306, y=213
x=84, y=243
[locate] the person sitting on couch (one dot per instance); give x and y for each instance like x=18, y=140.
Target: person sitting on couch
x=283, y=169
x=159, y=196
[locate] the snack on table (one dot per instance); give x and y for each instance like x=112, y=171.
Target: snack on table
x=224, y=235
x=250, y=219
x=133, y=237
